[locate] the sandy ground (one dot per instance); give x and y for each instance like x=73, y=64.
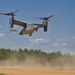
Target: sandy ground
x=5, y=71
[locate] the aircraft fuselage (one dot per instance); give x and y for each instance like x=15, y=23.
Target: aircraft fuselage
x=29, y=30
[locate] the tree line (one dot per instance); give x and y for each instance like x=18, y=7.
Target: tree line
x=53, y=58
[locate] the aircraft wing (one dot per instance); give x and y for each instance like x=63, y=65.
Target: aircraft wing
x=20, y=23
x=39, y=25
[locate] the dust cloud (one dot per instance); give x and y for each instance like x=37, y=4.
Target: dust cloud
x=33, y=62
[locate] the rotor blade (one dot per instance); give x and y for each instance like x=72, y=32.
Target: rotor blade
x=38, y=18
x=16, y=11
x=46, y=18
x=41, y=18
x=3, y=13
x=50, y=16
x=8, y=14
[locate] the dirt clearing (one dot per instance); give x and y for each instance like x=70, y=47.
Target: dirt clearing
x=7, y=71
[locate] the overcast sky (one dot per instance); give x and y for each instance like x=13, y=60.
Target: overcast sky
x=61, y=28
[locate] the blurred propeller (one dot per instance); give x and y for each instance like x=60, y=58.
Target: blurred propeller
x=16, y=11
x=11, y=13
x=46, y=18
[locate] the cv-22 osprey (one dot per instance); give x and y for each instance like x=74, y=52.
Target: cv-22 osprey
x=28, y=28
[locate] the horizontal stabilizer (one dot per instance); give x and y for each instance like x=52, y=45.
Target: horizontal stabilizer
x=14, y=30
